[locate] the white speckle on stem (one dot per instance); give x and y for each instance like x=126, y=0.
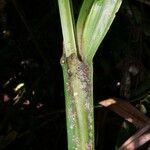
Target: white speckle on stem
x=87, y=106
x=90, y=118
x=75, y=94
x=90, y=134
x=91, y=127
x=69, y=71
x=62, y=61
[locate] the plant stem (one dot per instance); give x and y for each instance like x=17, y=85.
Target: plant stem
x=79, y=103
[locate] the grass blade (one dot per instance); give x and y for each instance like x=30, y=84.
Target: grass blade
x=98, y=22
x=84, y=12
x=68, y=28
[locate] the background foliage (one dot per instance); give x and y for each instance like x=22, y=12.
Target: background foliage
x=31, y=84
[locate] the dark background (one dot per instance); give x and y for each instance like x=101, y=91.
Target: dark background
x=33, y=117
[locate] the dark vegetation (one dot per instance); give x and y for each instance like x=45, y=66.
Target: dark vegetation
x=32, y=105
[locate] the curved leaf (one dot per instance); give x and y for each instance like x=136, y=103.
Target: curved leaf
x=98, y=22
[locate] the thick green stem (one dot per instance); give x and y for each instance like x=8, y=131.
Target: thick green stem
x=79, y=103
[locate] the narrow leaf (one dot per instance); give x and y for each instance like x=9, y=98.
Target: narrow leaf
x=68, y=27
x=138, y=139
x=84, y=12
x=98, y=22
x=127, y=111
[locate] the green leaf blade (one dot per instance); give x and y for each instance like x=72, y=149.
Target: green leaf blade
x=97, y=25
x=68, y=28
x=84, y=11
